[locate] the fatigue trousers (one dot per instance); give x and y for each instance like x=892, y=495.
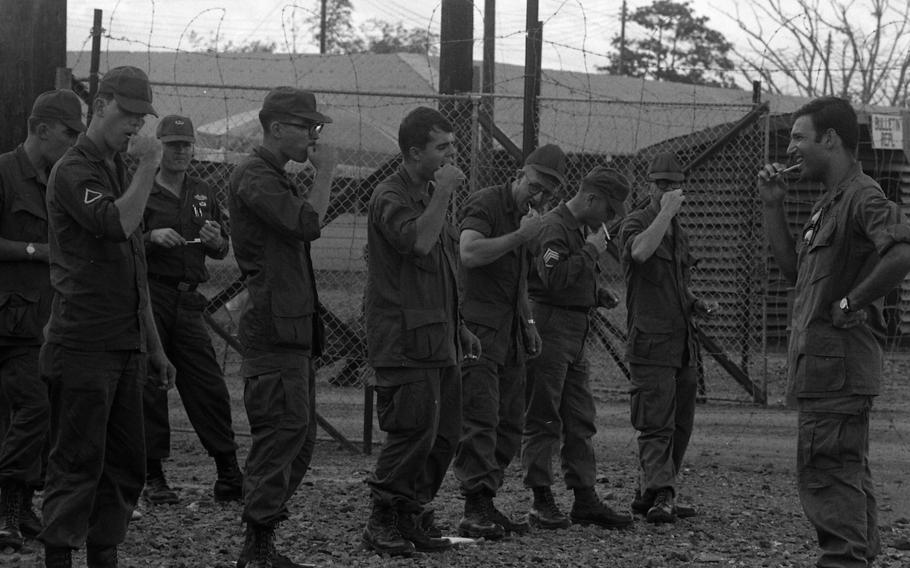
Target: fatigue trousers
x=560, y=405
x=492, y=419
x=25, y=417
x=663, y=412
x=200, y=382
x=281, y=407
x=420, y=412
x=96, y=467
x=835, y=483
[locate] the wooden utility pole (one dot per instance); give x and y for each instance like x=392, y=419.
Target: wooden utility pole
x=622, y=40
x=456, y=71
x=456, y=51
x=322, y=26
x=94, y=63
x=32, y=47
x=533, y=52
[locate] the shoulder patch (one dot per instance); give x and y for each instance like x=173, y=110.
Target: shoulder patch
x=91, y=196
x=550, y=257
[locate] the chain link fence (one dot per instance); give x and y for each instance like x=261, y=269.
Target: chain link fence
x=720, y=214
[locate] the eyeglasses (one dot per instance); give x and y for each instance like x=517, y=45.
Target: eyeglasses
x=535, y=188
x=312, y=129
x=664, y=185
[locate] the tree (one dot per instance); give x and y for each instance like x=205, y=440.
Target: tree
x=859, y=49
x=676, y=46
x=210, y=45
x=340, y=36
x=383, y=37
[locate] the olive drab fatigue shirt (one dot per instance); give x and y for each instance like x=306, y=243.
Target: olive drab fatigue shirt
x=98, y=272
x=411, y=301
x=565, y=266
x=25, y=285
x=658, y=300
x=845, y=236
x=272, y=226
x=186, y=214
x=494, y=293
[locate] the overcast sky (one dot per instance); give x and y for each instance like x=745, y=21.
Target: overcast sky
x=578, y=32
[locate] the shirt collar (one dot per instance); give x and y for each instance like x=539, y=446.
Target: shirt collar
x=25, y=165
x=91, y=151
x=268, y=157
x=570, y=221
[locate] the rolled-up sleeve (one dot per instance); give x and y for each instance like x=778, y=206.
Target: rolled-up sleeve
x=475, y=215
x=396, y=218
x=276, y=204
x=90, y=203
x=631, y=228
x=881, y=220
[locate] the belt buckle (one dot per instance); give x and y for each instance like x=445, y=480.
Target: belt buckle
x=184, y=286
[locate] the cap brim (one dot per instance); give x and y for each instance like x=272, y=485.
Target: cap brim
x=311, y=116
x=550, y=175
x=73, y=124
x=669, y=176
x=177, y=138
x=136, y=106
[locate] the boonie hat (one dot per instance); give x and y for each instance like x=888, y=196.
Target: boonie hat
x=131, y=89
x=611, y=184
x=175, y=128
x=293, y=102
x=61, y=104
x=665, y=166
x=550, y=161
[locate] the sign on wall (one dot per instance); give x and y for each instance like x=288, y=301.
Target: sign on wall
x=887, y=132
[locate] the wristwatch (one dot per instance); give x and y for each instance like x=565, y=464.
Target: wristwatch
x=30, y=250
x=845, y=305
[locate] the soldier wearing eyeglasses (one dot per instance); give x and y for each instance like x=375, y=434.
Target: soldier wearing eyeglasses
x=273, y=225
x=662, y=345
x=854, y=249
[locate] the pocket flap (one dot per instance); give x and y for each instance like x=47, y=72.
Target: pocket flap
x=13, y=299
x=825, y=343
x=653, y=324
x=414, y=318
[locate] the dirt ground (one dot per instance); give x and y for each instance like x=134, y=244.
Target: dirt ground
x=739, y=472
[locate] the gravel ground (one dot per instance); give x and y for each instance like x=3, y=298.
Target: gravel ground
x=740, y=473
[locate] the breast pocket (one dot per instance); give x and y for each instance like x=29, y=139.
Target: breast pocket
x=426, y=334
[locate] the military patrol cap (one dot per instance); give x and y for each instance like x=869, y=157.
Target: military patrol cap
x=61, y=104
x=294, y=102
x=611, y=184
x=175, y=128
x=550, y=161
x=664, y=166
x=131, y=89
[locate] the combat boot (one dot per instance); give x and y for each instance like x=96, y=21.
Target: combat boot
x=29, y=523
x=662, y=511
x=545, y=514
x=229, y=484
x=101, y=556
x=10, y=501
x=259, y=540
x=588, y=509
x=477, y=521
x=58, y=557
x=410, y=530
x=157, y=491
x=381, y=533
